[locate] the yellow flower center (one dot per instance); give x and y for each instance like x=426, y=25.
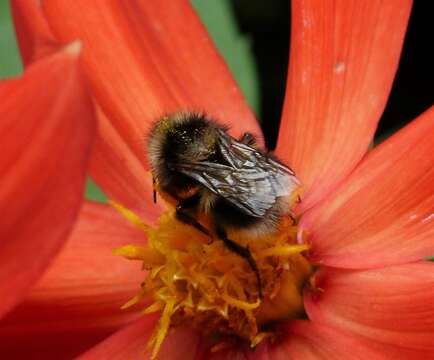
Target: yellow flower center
x=195, y=280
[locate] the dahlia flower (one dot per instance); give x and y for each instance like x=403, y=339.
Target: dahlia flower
x=366, y=217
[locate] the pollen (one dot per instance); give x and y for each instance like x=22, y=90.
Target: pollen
x=194, y=279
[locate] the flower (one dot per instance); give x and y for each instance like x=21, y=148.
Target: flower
x=368, y=215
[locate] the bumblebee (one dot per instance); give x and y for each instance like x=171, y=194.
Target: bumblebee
x=239, y=187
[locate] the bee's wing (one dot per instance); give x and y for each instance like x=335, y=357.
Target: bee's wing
x=252, y=181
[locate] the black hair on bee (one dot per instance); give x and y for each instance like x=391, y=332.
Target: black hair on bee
x=240, y=187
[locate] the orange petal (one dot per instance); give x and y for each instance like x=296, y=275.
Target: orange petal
x=343, y=59
x=46, y=130
x=118, y=171
x=144, y=59
x=384, y=212
x=130, y=343
x=35, y=38
x=80, y=296
x=392, y=305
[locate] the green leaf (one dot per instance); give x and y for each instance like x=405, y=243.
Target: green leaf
x=218, y=17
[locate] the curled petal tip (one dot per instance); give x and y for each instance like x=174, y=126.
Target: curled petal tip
x=73, y=48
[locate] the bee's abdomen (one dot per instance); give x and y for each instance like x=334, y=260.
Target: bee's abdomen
x=230, y=217
x=227, y=215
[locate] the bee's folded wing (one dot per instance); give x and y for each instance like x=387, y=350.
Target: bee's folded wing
x=251, y=189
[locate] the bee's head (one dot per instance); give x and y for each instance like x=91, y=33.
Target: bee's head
x=181, y=137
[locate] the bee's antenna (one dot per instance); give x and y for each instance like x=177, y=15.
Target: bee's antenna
x=154, y=191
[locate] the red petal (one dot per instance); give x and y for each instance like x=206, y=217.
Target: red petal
x=80, y=296
x=144, y=59
x=307, y=340
x=391, y=305
x=118, y=171
x=384, y=212
x=343, y=59
x=130, y=343
x=33, y=34
x=46, y=131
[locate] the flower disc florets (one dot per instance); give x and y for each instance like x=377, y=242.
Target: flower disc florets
x=196, y=281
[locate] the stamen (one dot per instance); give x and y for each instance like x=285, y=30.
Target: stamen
x=163, y=327
x=149, y=256
x=243, y=305
x=130, y=215
x=287, y=250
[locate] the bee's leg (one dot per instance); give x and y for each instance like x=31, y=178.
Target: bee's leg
x=243, y=252
x=185, y=209
x=248, y=139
